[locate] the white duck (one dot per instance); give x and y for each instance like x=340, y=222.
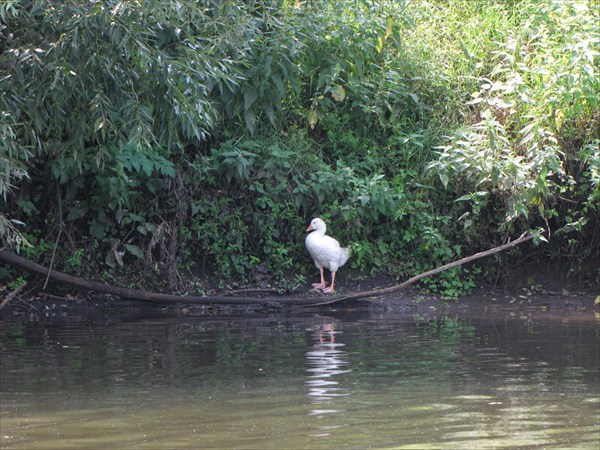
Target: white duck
x=326, y=252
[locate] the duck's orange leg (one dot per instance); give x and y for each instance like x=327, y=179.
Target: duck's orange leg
x=322, y=284
x=330, y=289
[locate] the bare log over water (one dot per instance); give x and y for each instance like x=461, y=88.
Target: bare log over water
x=135, y=294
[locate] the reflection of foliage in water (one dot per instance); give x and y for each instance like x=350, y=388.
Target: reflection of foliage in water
x=450, y=331
x=250, y=352
x=447, y=380
x=422, y=350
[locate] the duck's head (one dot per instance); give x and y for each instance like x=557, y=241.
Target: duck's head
x=316, y=224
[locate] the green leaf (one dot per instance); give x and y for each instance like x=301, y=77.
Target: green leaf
x=147, y=165
x=250, y=97
x=135, y=250
x=77, y=212
x=97, y=230
x=444, y=179
x=250, y=118
x=279, y=84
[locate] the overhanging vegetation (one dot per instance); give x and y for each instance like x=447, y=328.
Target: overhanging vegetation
x=153, y=143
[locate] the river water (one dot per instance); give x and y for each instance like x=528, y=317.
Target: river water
x=327, y=380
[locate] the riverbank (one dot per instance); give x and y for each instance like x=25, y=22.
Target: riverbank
x=529, y=289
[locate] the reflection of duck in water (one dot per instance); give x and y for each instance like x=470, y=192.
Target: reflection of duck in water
x=325, y=362
x=327, y=333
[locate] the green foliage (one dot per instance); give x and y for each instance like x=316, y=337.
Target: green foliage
x=203, y=135
x=251, y=218
x=16, y=283
x=12, y=155
x=75, y=259
x=11, y=235
x=351, y=67
x=535, y=135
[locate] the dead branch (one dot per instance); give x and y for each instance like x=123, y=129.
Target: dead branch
x=11, y=295
x=136, y=294
x=398, y=287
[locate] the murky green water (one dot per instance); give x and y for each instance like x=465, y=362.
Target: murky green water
x=330, y=381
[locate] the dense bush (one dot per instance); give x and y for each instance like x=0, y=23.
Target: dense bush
x=159, y=141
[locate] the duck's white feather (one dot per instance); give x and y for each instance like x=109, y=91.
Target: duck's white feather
x=325, y=250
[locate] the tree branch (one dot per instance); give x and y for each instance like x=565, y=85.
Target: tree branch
x=460, y=262
x=10, y=295
x=136, y=294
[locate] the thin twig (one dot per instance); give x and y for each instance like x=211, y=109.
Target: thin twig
x=57, y=239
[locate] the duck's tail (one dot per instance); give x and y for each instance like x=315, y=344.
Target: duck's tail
x=345, y=255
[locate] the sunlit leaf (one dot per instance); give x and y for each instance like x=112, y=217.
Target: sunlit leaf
x=313, y=118
x=338, y=93
x=379, y=45
x=389, y=27
x=559, y=117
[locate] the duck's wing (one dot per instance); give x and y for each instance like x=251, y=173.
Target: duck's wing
x=328, y=252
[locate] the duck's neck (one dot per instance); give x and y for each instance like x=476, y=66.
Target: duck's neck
x=319, y=232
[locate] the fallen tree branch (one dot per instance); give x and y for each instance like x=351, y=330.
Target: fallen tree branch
x=398, y=287
x=136, y=294
x=11, y=295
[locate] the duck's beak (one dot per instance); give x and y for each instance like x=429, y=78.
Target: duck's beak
x=310, y=228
